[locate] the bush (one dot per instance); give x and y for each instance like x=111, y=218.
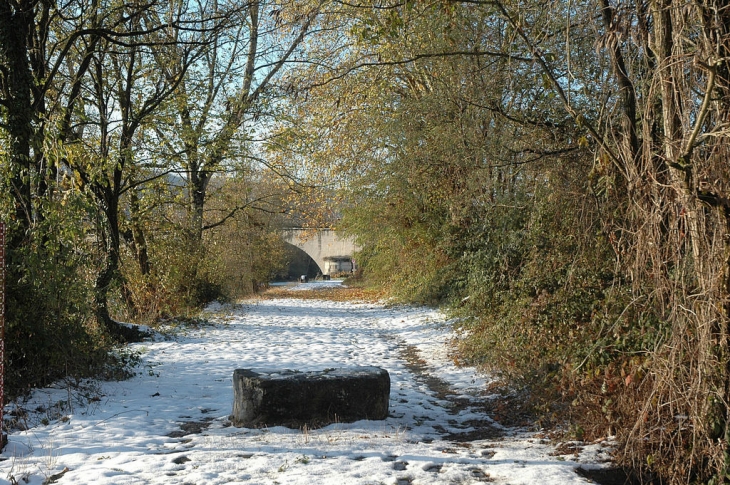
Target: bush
x=50, y=329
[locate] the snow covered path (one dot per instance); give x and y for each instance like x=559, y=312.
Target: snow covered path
x=169, y=424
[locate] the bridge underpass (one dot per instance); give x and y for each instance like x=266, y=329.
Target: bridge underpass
x=331, y=252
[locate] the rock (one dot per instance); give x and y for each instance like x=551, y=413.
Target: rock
x=292, y=398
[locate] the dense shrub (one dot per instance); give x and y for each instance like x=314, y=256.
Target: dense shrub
x=50, y=329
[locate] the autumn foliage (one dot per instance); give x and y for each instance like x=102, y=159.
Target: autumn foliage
x=554, y=174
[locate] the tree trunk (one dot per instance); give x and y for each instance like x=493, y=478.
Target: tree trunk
x=138, y=236
x=110, y=242
x=628, y=93
x=198, y=187
x=15, y=24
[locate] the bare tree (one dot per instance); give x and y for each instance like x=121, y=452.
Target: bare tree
x=222, y=104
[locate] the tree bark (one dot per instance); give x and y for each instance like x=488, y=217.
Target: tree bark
x=626, y=87
x=16, y=22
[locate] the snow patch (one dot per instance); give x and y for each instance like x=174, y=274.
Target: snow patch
x=169, y=424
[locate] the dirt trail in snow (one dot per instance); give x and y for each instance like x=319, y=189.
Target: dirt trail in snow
x=169, y=424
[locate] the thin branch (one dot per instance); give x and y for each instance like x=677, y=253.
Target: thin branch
x=235, y=210
x=578, y=117
x=417, y=57
x=134, y=185
x=704, y=108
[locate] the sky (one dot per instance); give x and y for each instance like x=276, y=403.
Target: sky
x=169, y=424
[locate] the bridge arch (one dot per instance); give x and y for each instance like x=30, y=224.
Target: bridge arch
x=331, y=252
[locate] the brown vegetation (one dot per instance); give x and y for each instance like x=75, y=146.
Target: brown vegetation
x=332, y=293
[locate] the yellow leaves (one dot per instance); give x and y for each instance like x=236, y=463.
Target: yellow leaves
x=79, y=181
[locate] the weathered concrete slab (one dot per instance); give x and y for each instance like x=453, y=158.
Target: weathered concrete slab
x=292, y=398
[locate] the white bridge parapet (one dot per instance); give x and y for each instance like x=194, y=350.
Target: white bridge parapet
x=332, y=253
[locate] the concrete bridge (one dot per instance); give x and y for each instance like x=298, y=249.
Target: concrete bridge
x=332, y=253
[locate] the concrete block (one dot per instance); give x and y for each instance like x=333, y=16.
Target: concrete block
x=293, y=398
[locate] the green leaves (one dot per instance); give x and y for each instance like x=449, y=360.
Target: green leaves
x=374, y=29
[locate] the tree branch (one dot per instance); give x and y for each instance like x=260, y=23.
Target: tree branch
x=578, y=117
x=235, y=210
x=417, y=57
x=704, y=108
